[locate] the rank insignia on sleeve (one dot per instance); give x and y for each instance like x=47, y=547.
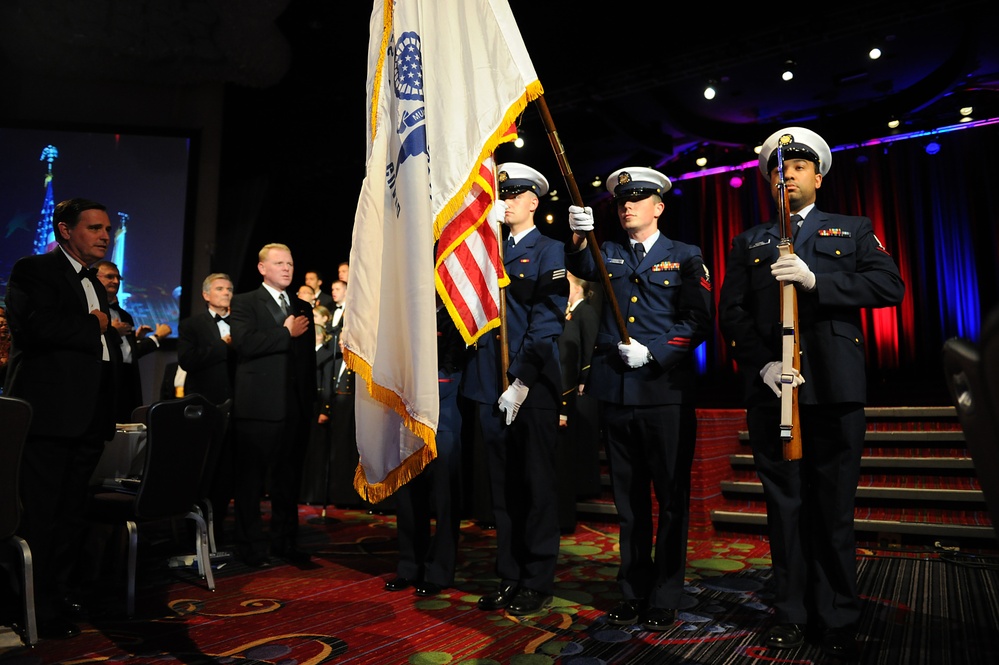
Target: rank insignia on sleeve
x=558, y=274
x=706, y=280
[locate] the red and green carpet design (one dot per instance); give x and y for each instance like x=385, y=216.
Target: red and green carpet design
x=920, y=607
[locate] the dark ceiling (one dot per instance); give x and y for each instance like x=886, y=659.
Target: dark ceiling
x=623, y=81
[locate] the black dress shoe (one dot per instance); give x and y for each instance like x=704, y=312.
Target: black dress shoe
x=658, y=618
x=784, y=636
x=498, y=599
x=841, y=643
x=626, y=612
x=427, y=589
x=57, y=628
x=292, y=555
x=398, y=584
x=528, y=601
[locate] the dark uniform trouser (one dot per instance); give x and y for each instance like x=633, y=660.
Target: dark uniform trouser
x=651, y=447
x=521, y=463
x=810, y=511
x=436, y=493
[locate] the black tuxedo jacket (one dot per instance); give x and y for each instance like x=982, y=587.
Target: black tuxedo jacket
x=275, y=372
x=129, y=393
x=55, y=355
x=209, y=362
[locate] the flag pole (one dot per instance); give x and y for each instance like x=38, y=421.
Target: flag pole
x=504, y=336
x=577, y=199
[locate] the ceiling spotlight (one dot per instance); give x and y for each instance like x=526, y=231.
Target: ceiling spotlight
x=597, y=181
x=966, y=110
x=874, y=53
x=893, y=123
x=710, y=91
x=519, y=142
x=758, y=149
x=788, y=72
x=701, y=161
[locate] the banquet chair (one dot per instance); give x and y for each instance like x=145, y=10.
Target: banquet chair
x=15, y=414
x=972, y=375
x=179, y=436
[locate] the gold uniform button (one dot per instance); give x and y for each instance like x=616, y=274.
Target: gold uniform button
x=856, y=340
x=666, y=282
x=634, y=298
x=636, y=280
x=756, y=260
x=631, y=319
x=521, y=275
x=610, y=274
x=733, y=344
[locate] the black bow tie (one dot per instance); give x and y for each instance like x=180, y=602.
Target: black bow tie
x=221, y=318
x=87, y=272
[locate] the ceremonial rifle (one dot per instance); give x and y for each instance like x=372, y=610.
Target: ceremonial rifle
x=577, y=199
x=790, y=425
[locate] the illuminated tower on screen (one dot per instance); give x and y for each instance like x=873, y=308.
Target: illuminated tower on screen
x=44, y=234
x=118, y=257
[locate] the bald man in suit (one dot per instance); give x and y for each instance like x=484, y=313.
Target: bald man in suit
x=274, y=394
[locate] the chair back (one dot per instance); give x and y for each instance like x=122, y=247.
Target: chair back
x=15, y=416
x=179, y=436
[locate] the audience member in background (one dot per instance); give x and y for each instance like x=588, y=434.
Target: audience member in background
x=134, y=343
x=306, y=293
x=207, y=366
x=579, y=442
x=315, y=478
x=837, y=267
x=62, y=361
x=427, y=561
x=338, y=290
x=343, y=437
x=646, y=387
x=343, y=271
x=314, y=280
x=275, y=391
x=519, y=422
x=321, y=316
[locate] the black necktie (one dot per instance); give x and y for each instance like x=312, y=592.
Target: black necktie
x=284, y=303
x=639, y=251
x=795, y=225
x=510, y=244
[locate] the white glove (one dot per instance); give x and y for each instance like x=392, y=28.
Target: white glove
x=581, y=219
x=772, y=374
x=512, y=398
x=791, y=268
x=497, y=214
x=634, y=353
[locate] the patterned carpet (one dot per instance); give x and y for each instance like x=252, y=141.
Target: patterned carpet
x=920, y=607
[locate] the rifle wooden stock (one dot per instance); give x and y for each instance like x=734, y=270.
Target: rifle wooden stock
x=577, y=199
x=790, y=424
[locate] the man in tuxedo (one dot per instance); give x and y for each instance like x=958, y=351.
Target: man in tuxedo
x=62, y=361
x=275, y=390
x=338, y=290
x=134, y=343
x=206, y=356
x=204, y=343
x=314, y=280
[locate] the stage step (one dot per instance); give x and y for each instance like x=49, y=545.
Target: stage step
x=918, y=480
